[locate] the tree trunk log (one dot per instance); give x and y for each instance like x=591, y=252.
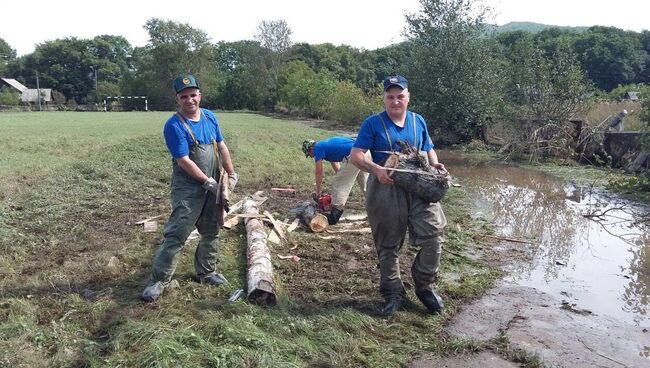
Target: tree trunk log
x=417, y=177
x=260, y=284
x=316, y=221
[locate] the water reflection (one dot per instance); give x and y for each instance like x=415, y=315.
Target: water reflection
x=601, y=262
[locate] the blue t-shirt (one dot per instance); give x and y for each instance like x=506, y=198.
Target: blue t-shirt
x=179, y=140
x=372, y=135
x=334, y=149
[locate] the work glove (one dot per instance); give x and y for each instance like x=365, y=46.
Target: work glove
x=315, y=196
x=232, y=180
x=211, y=185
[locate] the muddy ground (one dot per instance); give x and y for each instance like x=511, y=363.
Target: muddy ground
x=561, y=333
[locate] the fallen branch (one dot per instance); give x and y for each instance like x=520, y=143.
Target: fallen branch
x=509, y=239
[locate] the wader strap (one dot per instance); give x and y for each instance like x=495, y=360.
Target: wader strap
x=390, y=142
x=415, y=136
x=187, y=126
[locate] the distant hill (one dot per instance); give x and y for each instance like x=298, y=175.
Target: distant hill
x=528, y=27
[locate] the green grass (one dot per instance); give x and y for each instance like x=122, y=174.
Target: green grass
x=72, y=265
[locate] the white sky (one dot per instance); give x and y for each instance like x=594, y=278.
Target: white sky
x=360, y=23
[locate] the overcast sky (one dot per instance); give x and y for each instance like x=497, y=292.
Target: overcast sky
x=360, y=23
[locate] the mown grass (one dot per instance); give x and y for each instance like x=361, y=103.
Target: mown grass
x=72, y=265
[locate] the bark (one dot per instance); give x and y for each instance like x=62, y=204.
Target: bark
x=260, y=284
x=316, y=221
x=417, y=177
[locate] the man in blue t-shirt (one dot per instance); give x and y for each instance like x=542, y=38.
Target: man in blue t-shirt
x=391, y=209
x=335, y=150
x=200, y=157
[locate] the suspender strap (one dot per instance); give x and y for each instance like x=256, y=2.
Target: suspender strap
x=187, y=126
x=415, y=136
x=390, y=142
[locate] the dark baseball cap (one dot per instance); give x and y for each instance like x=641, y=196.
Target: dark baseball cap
x=185, y=81
x=395, y=80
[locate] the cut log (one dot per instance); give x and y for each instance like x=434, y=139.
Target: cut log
x=413, y=174
x=260, y=284
x=315, y=220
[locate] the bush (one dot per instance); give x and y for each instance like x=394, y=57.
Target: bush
x=349, y=105
x=9, y=97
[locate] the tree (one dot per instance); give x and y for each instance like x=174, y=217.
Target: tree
x=7, y=54
x=453, y=74
x=611, y=56
x=245, y=81
x=274, y=35
x=173, y=48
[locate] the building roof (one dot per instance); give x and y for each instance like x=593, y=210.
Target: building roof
x=14, y=83
x=31, y=95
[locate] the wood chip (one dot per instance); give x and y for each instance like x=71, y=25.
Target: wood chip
x=293, y=225
x=150, y=226
x=146, y=220
x=277, y=226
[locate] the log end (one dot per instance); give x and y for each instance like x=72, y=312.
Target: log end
x=262, y=298
x=319, y=223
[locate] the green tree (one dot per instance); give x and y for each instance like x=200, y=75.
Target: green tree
x=611, y=56
x=7, y=54
x=245, y=81
x=173, y=48
x=453, y=74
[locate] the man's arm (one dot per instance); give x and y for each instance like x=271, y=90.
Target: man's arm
x=319, y=176
x=225, y=158
x=336, y=166
x=190, y=168
x=358, y=158
x=433, y=160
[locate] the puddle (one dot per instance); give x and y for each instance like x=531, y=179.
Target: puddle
x=599, y=264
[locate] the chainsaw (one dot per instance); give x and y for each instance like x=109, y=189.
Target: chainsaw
x=325, y=203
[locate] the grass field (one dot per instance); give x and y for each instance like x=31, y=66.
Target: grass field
x=72, y=265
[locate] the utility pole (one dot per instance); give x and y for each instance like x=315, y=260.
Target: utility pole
x=38, y=92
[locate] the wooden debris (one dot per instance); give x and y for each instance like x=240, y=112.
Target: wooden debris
x=354, y=217
x=260, y=283
x=413, y=173
x=150, y=226
x=273, y=237
x=146, y=220
x=293, y=225
x=278, y=227
x=289, y=191
x=291, y=257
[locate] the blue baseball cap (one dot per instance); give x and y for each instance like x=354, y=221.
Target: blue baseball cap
x=185, y=81
x=395, y=80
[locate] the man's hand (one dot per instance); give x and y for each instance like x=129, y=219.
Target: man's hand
x=232, y=180
x=382, y=175
x=439, y=166
x=315, y=196
x=211, y=185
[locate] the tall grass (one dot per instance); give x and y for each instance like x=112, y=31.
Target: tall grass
x=72, y=265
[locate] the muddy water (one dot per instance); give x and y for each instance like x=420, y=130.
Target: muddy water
x=599, y=264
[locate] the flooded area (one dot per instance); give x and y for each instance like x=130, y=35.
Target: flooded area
x=588, y=249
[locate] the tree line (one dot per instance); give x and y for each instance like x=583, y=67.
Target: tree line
x=461, y=80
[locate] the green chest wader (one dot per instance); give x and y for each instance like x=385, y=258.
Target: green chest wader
x=391, y=212
x=192, y=206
